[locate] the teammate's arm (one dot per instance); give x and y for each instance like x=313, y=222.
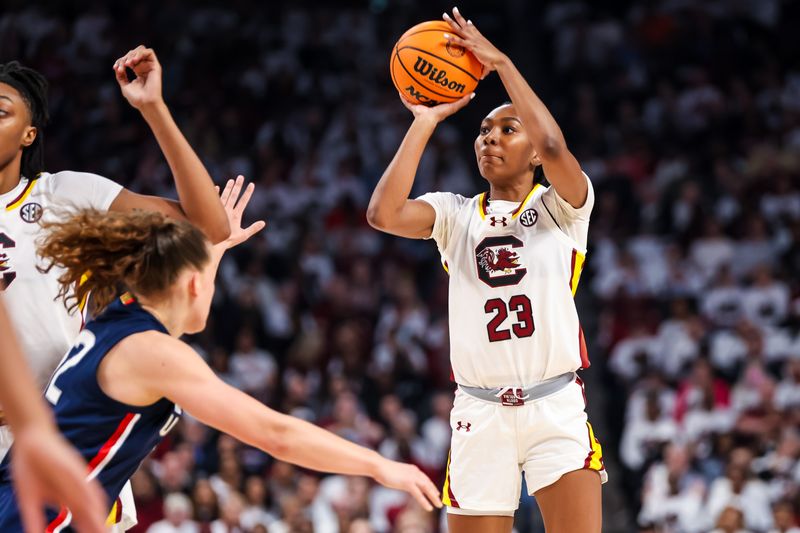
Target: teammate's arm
x=198, y=201
x=560, y=166
x=46, y=468
x=155, y=365
x=390, y=209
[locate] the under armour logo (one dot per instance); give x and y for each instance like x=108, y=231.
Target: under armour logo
x=461, y=425
x=496, y=221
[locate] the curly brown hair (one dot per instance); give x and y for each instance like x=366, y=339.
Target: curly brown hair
x=104, y=253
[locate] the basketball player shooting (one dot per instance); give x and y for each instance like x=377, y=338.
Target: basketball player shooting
x=514, y=256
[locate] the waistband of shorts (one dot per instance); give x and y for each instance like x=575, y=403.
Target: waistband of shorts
x=515, y=396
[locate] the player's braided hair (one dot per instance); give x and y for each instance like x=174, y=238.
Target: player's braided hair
x=107, y=252
x=32, y=86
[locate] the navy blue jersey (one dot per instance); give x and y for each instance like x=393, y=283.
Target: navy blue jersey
x=111, y=436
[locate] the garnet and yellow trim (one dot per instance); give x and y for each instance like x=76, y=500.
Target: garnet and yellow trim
x=583, y=351
x=575, y=270
x=16, y=202
x=524, y=202
x=594, y=461
x=483, y=203
x=115, y=516
x=448, y=498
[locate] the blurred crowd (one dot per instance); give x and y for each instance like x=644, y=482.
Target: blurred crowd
x=694, y=146
x=686, y=115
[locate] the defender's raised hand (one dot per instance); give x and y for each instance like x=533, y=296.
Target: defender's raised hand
x=234, y=207
x=468, y=36
x=145, y=88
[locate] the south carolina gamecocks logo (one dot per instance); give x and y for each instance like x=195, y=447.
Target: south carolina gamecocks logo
x=502, y=260
x=498, y=263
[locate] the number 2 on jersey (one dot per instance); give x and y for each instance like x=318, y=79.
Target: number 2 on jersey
x=83, y=344
x=518, y=304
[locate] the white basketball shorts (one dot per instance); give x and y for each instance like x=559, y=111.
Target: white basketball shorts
x=493, y=444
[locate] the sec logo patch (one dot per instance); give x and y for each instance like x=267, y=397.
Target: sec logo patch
x=529, y=217
x=30, y=212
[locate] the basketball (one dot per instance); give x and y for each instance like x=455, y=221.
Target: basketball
x=429, y=70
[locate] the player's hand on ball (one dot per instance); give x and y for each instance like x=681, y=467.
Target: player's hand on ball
x=234, y=207
x=409, y=478
x=438, y=112
x=145, y=88
x=470, y=38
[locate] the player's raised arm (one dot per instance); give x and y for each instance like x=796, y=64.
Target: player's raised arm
x=559, y=165
x=198, y=201
x=390, y=208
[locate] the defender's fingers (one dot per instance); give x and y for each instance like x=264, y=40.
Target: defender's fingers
x=226, y=192
x=254, y=228
x=432, y=493
x=245, y=198
x=421, y=499
x=237, y=189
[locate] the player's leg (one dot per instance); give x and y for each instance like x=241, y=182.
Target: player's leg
x=573, y=503
x=479, y=524
x=564, y=462
x=483, y=480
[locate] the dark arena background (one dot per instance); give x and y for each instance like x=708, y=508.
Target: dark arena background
x=685, y=115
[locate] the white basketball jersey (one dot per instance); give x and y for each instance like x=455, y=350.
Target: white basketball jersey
x=44, y=328
x=513, y=273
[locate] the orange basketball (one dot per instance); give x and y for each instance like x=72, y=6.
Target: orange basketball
x=429, y=70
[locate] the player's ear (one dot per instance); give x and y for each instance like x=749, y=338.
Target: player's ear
x=535, y=160
x=28, y=136
x=194, y=284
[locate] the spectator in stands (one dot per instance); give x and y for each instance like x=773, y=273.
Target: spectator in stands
x=177, y=516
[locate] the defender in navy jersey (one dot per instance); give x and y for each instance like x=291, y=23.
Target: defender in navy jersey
x=111, y=436
x=116, y=393
x=48, y=469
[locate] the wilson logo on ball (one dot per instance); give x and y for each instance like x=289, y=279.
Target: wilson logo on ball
x=437, y=76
